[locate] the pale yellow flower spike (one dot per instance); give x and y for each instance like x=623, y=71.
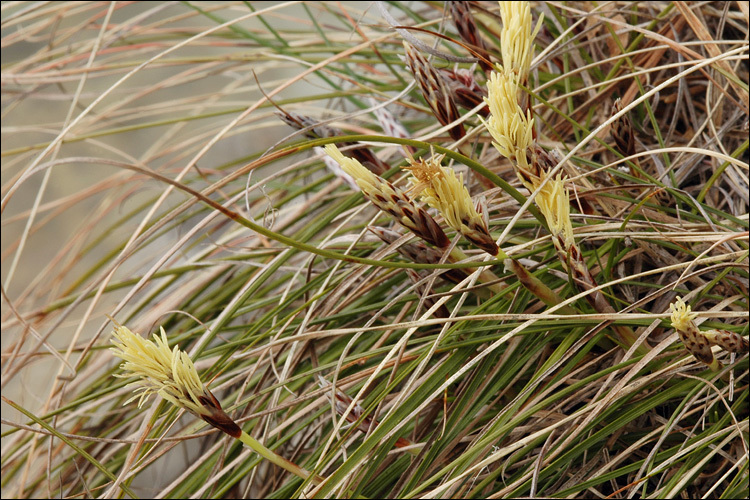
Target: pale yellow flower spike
x=692, y=338
x=168, y=373
x=516, y=38
x=365, y=179
x=154, y=362
x=172, y=375
x=441, y=189
x=552, y=201
x=681, y=315
x=510, y=127
x=391, y=200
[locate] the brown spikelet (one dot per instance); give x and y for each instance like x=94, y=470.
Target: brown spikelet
x=369, y=159
x=419, y=221
x=692, y=338
x=543, y=161
x=478, y=234
x=435, y=91
x=315, y=130
x=622, y=131
x=391, y=200
x=465, y=90
x=469, y=33
x=418, y=252
x=729, y=341
x=697, y=344
x=217, y=417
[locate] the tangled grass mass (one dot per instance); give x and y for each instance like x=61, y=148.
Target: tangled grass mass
x=391, y=250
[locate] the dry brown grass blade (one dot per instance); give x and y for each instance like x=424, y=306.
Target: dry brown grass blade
x=713, y=49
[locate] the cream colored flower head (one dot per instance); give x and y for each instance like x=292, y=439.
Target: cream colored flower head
x=442, y=190
x=391, y=200
x=365, y=179
x=553, y=202
x=170, y=373
x=512, y=130
x=681, y=315
x=516, y=37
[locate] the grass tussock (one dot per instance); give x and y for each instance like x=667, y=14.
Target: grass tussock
x=522, y=271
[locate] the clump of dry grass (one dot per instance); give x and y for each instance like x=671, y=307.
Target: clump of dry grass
x=598, y=165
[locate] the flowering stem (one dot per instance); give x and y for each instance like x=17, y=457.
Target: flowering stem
x=485, y=276
x=527, y=279
x=171, y=374
x=536, y=286
x=272, y=457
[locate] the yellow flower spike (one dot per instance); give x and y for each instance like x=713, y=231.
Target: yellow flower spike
x=516, y=37
x=511, y=128
x=552, y=201
x=170, y=373
x=441, y=189
x=365, y=179
x=682, y=317
x=391, y=200
x=690, y=335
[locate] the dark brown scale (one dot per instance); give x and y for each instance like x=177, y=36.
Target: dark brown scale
x=574, y=254
x=469, y=33
x=368, y=159
x=315, y=130
x=730, y=341
x=490, y=248
x=622, y=131
x=467, y=95
x=704, y=358
x=698, y=346
x=539, y=160
x=216, y=417
x=209, y=400
x=223, y=422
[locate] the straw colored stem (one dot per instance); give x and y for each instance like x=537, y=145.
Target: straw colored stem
x=272, y=457
x=584, y=281
x=536, y=286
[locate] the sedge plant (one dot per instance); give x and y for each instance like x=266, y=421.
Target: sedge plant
x=413, y=249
